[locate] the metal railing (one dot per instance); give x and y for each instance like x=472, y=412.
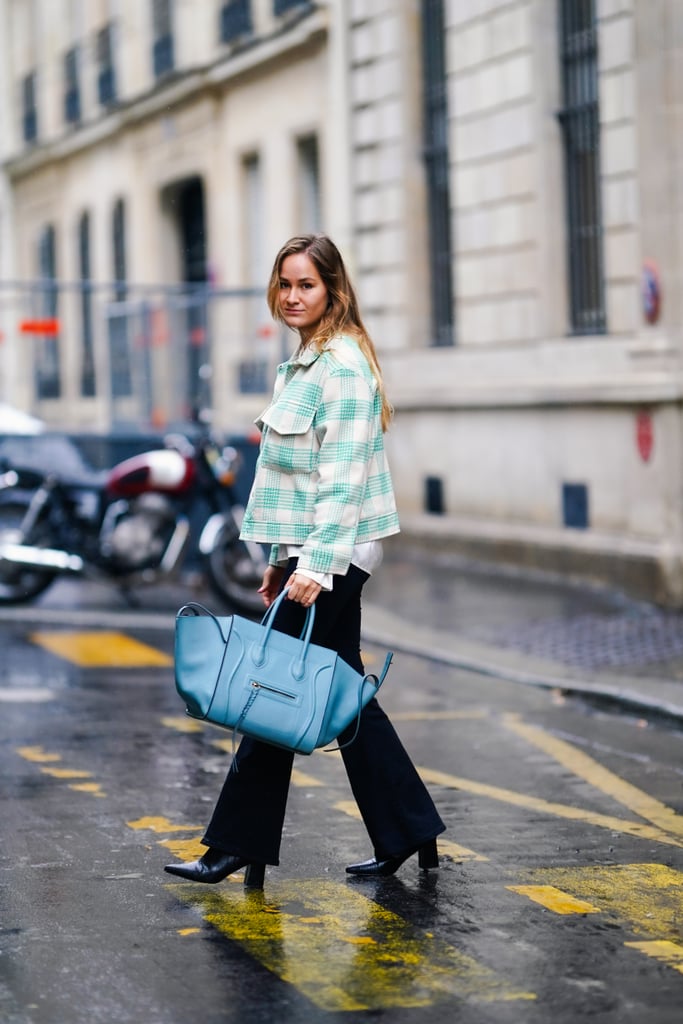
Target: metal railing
x=156, y=353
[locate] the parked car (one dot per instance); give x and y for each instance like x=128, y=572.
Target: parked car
x=16, y=421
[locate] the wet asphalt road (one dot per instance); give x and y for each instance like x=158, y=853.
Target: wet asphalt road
x=559, y=898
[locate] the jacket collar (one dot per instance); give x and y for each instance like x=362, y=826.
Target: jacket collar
x=305, y=356
x=302, y=357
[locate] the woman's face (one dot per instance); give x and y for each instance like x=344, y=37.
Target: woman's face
x=303, y=296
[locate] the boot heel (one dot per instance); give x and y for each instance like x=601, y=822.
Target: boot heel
x=254, y=876
x=428, y=856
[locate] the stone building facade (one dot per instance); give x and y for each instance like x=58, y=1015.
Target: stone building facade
x=503, y=176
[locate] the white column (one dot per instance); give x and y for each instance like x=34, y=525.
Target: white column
x=10, y=378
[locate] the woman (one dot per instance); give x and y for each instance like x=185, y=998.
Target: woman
x=322, y=497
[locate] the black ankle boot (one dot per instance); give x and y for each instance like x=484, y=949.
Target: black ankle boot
x=215, y=865
x=427, y=858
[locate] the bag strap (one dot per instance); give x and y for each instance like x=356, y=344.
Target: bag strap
x=260, y=653
x=378, y=680
x=193, y=608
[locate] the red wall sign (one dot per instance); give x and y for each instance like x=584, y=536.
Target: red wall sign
x=50, y=326
x=645, y=434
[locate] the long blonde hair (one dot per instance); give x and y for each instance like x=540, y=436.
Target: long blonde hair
x=342, y=315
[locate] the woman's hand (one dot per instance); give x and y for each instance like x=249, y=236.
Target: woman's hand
x=270, y=587
x=302, y=590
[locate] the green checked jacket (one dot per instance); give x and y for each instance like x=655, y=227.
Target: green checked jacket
x=322, y=479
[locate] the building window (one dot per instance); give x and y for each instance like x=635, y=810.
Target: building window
x=254, y=220
x=309, y=183
x=254, y=368
x=580, y=121
x=88, y=352
x=282, y=6
x=162, y=26
x=437, y=167
x=46, y=362
x=106, y=75
x=30, y=113
x=72, y=91
x=235, y=20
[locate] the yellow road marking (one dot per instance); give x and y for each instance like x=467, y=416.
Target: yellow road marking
x=646, y=897
x=37, y=754
x=451, y=849
x=188, y=931
x=302, y=779
x=533, y=803
x=458, y=852
x=601, y=778
x=439, y=716
x=94, y=788
x=229, y=746
x=349, y=807
x=184, y=849
x=66, y=773
x=343, y=951
x=554, y=899
x=159, y=824
x=669, y=953
x=91, y=650
x=182, y=723
x=299, y=778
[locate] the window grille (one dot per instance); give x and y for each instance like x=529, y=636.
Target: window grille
x=106, y=75
x=88, y=358
x=162, y=49
x=30, y=113
x=580, y=121
x=437, y=165
x=235, y=20
x=47, y=377
x=72, y=92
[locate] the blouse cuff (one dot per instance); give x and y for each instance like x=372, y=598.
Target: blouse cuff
x=324, y=579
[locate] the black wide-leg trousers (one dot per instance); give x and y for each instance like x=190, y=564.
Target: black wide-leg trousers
x=396, y=808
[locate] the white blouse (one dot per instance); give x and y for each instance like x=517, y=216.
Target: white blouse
x=366, y=556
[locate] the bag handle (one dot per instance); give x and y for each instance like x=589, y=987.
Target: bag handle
x=260, y=653
x=193, y=608
x=378, y=680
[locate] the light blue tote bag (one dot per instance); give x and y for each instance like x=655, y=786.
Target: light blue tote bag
x=253, y=679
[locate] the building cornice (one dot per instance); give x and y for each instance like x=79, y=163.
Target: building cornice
x=654, y=389
x=173, y=92
x=557, y=372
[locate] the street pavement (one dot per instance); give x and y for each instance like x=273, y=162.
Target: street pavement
x=530, y=628
x=527, y=627
x=559, y=893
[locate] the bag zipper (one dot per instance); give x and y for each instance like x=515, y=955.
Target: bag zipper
x=255, y=685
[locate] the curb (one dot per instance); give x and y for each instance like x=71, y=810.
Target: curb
x=627, y=699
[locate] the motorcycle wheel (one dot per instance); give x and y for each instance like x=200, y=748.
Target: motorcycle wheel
x=19, y=583
x=235, y=574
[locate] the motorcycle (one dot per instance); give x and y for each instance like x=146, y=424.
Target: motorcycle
x=133, y=525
